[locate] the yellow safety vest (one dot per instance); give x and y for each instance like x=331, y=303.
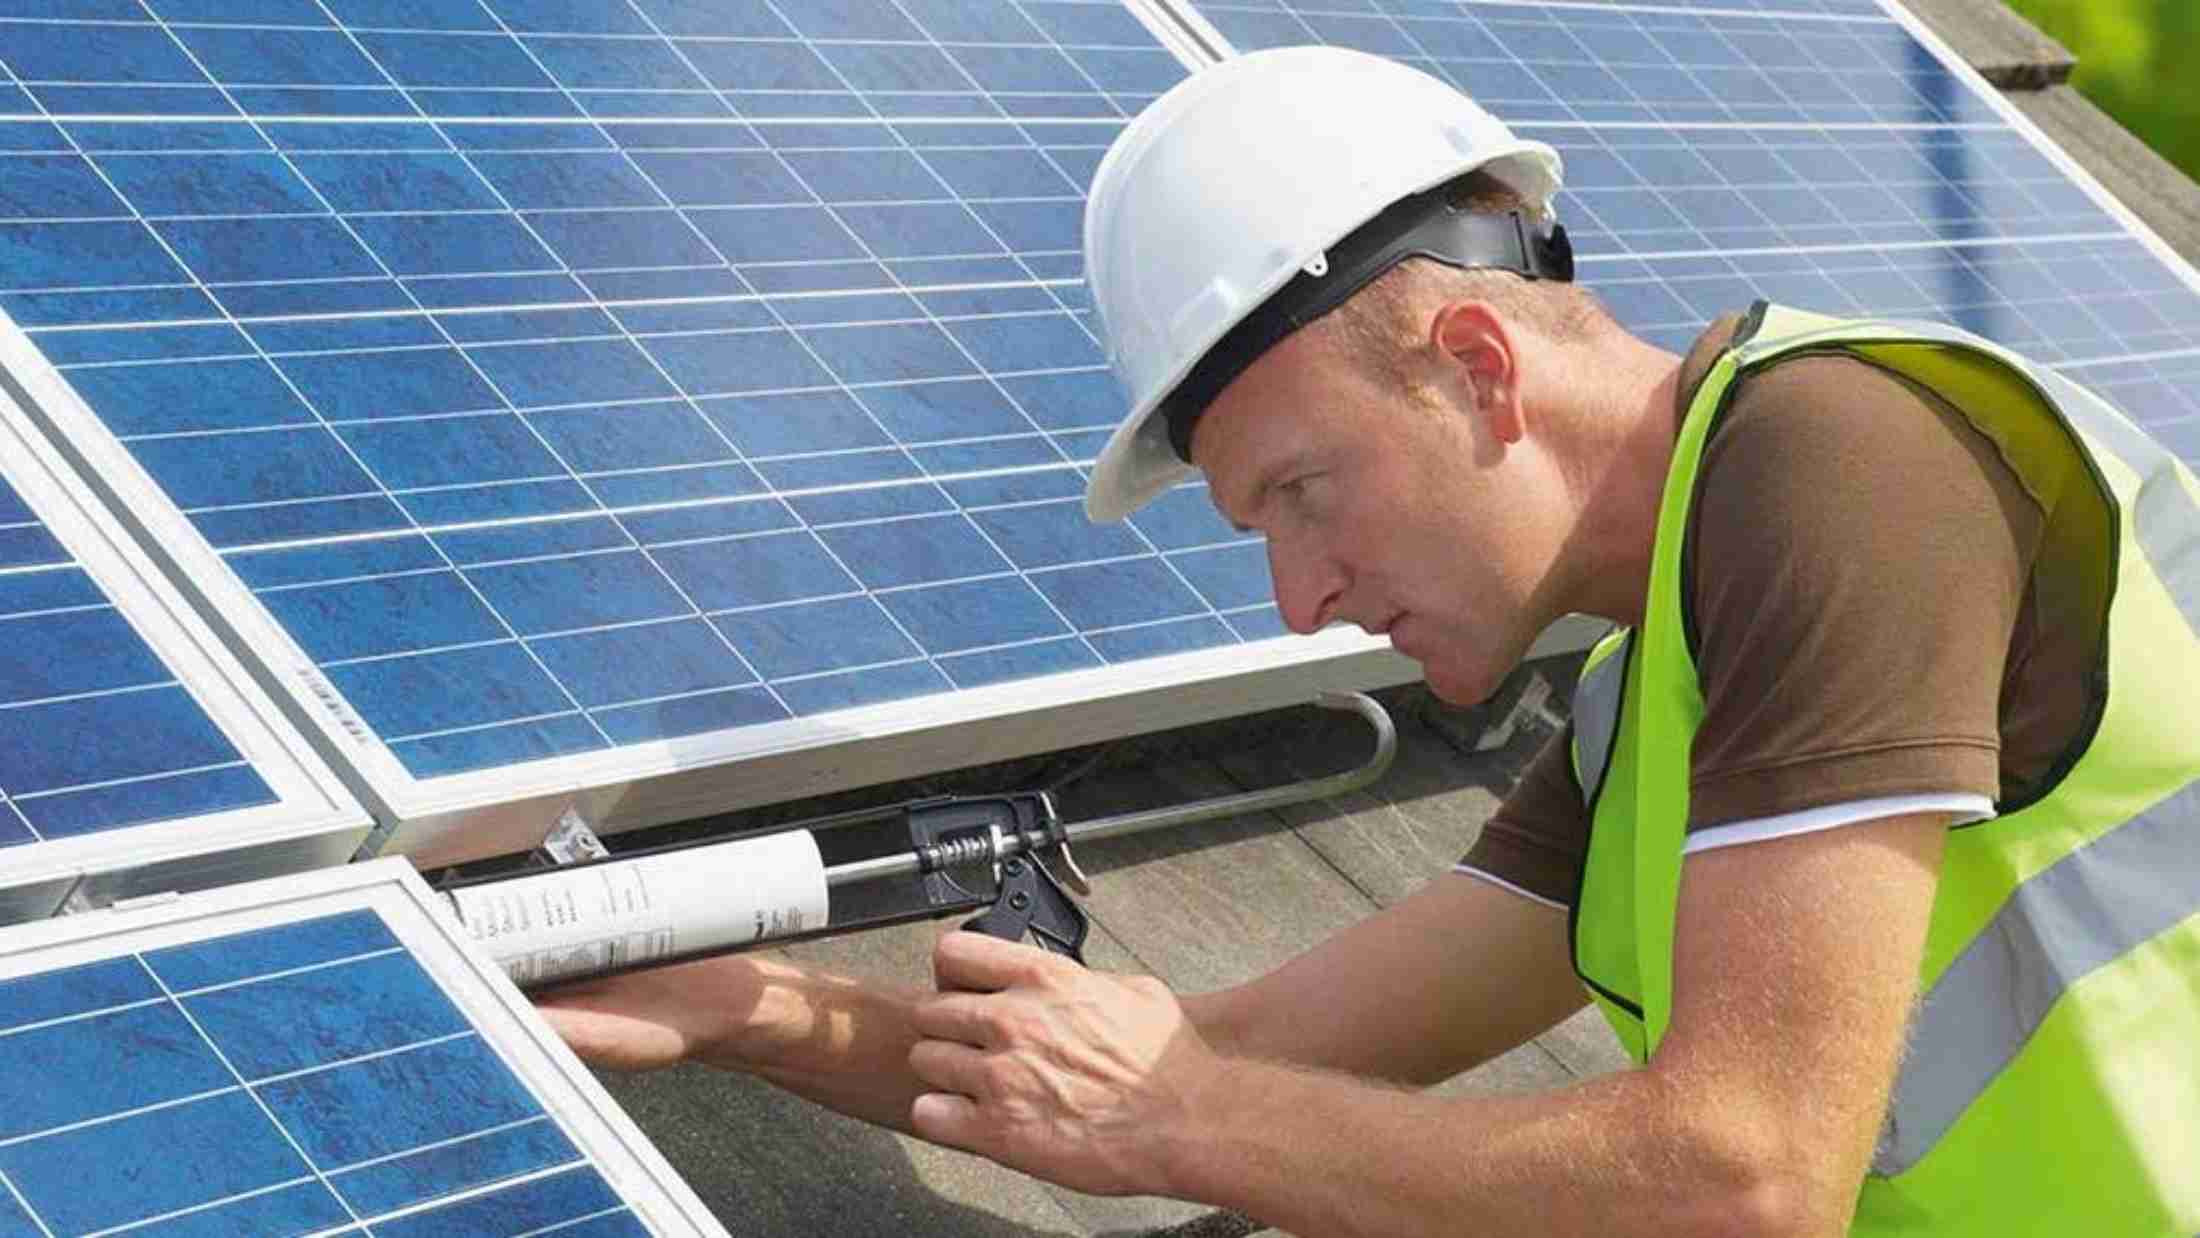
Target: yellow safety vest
x=2052, y=1085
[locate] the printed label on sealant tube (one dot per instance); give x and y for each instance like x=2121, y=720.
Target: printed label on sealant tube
x=560, y=924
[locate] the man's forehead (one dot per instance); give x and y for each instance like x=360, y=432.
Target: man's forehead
x=1248, y=448
x=1267, y=409
x=1239, y=436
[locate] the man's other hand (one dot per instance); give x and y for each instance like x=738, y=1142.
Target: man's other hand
x=1082, y=1078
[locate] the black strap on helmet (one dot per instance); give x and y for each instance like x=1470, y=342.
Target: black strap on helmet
x=1423, y=225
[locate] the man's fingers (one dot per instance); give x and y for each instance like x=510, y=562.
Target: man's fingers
x=967, y=1017
x=612, y=1040
x=587, y=1032
x=578, y=1024
x=945, y=1118
x=948, y=1066
x=983, y=964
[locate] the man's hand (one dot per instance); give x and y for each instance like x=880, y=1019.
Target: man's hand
x=1078, y=1077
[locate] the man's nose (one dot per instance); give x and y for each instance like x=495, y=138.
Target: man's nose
x=1308, y=587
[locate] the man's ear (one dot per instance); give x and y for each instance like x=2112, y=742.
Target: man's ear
x=1474, y=337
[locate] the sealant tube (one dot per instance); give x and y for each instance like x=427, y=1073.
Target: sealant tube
x=622, y=913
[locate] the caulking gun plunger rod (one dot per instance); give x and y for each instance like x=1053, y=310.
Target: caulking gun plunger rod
x=1386, y=747
x=647, y=908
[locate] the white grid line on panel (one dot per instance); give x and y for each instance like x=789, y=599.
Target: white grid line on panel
x=2166, y=354
x=118, y=1115
x=1040, y=569
x=16, y=815
x=608, y=36
x=78, y=1017
x=92, y=695
x=440, y=1144
x=531, y=341
x=25, y=1205
x=476, y=728
x=376, y=119
x=633, y=509
x=322, y=1068
x=787, y=604
x=1772, y=126
x=608, y=304
x=287, y=972
x=25, y=797
x=86, y=608
x=456, y=1197
x=196, y=1209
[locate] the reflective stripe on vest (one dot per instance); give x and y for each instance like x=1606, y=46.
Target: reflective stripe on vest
x=1596, y=710
x=2169, y=532
x=2058, y=929
x=2053, y=1077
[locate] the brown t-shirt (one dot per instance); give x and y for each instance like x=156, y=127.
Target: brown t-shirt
x=1860, y=570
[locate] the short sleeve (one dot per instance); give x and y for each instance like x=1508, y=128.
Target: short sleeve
x=1538, y=840
x=1858, y=558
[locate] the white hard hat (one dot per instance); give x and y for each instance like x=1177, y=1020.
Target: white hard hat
x=1249, y=173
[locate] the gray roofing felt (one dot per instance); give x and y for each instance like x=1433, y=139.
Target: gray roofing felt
x=1206, y=906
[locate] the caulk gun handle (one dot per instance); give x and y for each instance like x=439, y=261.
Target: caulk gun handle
x=1032, y=904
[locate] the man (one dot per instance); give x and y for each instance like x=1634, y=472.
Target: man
x=1901, y=708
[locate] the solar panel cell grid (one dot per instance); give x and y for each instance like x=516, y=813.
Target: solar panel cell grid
x=751, y=308
x=1626, y=63
x=1814, y=153
x=305, y=1078
x=2169, y=386
x=96, y=732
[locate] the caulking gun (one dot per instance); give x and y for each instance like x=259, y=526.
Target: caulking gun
x=591, y=912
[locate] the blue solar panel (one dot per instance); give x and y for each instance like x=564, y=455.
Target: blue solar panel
x=1814, y=152
x=136, y=756
x=313, y=1076
x=561, y=378
x=96, y=731
x=565, y=377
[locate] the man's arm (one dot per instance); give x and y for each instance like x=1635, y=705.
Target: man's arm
x=837, y=1041
x=1459, y=972
x=1795, y=970
x=1448, y=978
x=1454, y=974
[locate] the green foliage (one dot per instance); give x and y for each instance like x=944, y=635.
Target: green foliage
x=2133, y=60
